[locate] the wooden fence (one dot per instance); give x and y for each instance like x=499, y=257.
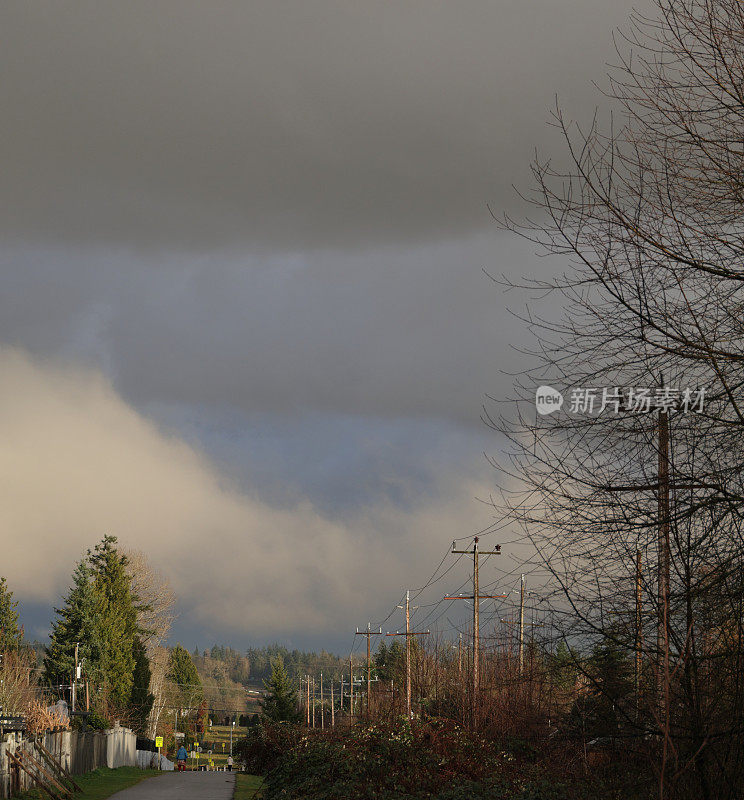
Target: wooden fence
x=51, y=760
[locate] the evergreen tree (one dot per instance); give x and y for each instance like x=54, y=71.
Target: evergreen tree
x=280, y=705
x=610, y=666
x=76, y=623
x=380, y=661
x=182, y=672
x=142, y=700
x=11, y=634
x=596, y=712
x=562, y=666
x=116, y=615
x=99, y=614
x=390, y=662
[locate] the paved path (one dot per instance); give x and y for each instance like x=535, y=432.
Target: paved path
x=182, y=786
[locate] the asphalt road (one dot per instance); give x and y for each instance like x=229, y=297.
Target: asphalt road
x=182, y=786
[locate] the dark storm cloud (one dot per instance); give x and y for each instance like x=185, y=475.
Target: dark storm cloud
x=281, y=124
x=342, y=461
x=395, y=332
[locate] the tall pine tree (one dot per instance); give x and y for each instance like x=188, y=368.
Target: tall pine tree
x=76, y=623
x=141, y=700
x=280, y=704
x=11, y=634
x=182, y=671
x=99, y=614
x=116, y=615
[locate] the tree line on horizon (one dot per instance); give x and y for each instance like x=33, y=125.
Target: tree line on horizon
x=255, y=664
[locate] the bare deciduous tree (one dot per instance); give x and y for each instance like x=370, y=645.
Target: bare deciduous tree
x=649, y=216
x=156, y=599
x=155, y=618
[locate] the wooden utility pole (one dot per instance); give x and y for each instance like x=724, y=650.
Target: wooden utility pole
x=313, y=709
x=664, y=557
x=333, y=710
x=322, y=704
x=307, y=681
x=638, y=633
x=408, y=635
x=664, y=568
x=476, y=597
x=351, y=688
x=368, y=633
x=522, y=596
x=521, y=625
x=74, y=679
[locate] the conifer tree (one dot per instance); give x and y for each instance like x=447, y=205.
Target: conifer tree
x=182, y=671
x=142, y=699
x=116, y=615
x=563, y=666
x=11, y=634
x=100, y=616
x=390, y=662
x=280, y=705
x=76, y=624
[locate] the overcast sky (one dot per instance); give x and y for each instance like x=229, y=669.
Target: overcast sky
x=244, y=323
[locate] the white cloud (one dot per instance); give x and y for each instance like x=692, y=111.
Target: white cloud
x=78, y=462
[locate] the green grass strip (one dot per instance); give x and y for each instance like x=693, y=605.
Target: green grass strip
x=248, y=786
x=101, y=783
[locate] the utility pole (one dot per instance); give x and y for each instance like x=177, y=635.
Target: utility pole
x=313, y=711
x=351, y=688
x=75, y=677
x=522, y=595
x=638, y=633
x=476, y=597
x=408, y=635
x=333, y=710
x=521, y=625
x=664, y=563
x=461, y=683
x=664, y=567
x=368, y=633
x=322, y=706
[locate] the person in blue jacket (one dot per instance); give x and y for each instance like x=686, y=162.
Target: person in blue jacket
x=181, y=757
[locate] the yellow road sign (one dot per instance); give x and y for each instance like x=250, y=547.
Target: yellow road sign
x=158, y=741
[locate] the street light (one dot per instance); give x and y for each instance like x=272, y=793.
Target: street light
x=231, y=734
